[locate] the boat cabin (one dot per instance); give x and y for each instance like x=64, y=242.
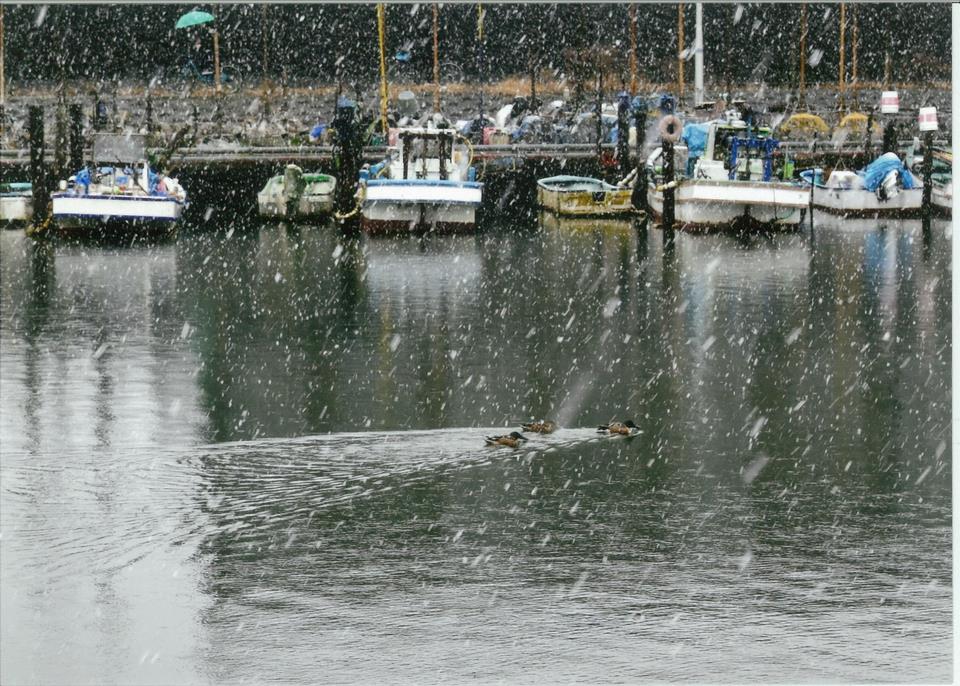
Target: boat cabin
x=422, y=153
x=734, y=151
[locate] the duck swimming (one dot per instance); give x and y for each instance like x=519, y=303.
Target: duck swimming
x=541, y=427
x=627, y=428
x=511, y=441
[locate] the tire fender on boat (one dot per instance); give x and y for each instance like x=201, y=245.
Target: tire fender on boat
x=670, y=128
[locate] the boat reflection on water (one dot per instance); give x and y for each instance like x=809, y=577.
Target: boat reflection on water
x=554, y=222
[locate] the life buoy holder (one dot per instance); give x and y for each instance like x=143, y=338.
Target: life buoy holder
x=670, y=128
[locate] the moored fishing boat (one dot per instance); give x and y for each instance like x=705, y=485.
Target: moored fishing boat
x=581, y=196
x=884, y=188
x=295, y=195
x=941, y=191
x=426, y=183
x=115, y=197
x=16, y=203
x=729, y=177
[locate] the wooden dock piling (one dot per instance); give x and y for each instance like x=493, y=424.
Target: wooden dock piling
x=623, y=132
x=640, y=124
x=38, y=171
x=925, y=204
x=76, y=136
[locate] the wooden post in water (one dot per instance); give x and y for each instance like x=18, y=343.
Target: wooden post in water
x=802, y=95
x=889, y=143
x=76, y=137
x=60, y=138
x=633, y=49
x=3, y=82
x=669, y=197
x=149, y=113
x=679, y=53
x=347, y=156
x=842, y=83
x=599, y=108
x=927, y=180
x=38, y=172
x=640, y=124
x=216, y=61
x=436, y=58
x=854, y=86
x=382, y=38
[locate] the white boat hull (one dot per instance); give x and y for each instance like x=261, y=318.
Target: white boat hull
x=861, y=202
x=941, y=197
x=16, y=208
x=711, y=203
x=307, y=207
x=402, y=207
x=71, y=210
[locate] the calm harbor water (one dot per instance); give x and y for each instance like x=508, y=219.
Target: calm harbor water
x=255, y=455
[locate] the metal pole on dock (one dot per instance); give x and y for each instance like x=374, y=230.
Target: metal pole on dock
x=38, y=173
x=668, y=193
x=76, y=137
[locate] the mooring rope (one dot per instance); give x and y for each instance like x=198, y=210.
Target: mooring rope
x=361, y=195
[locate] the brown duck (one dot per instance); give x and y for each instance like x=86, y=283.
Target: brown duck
x=511, y=440
x=541, y=427
x=627, y=428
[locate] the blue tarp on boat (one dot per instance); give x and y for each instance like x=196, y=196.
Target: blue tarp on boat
x=874, y=173
x=695, y=136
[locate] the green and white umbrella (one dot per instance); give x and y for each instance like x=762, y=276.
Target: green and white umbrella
x=194, y=18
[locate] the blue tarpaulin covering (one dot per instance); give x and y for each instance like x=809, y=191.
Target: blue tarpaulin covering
x=695, y=136
x=874, y=173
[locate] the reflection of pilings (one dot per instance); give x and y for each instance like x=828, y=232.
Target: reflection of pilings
x=38, y=173
x=76, y=137
x=927, y=180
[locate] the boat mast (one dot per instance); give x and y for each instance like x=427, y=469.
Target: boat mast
x=854, y=86
x=382, y=34
x=698, y=58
